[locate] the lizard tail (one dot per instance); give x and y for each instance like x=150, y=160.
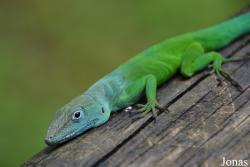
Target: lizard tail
x=222, y=34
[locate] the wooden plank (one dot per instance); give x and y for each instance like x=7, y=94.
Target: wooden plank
x=200, y=114
x=193, y=120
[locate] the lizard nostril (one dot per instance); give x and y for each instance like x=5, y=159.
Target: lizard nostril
x=49, y=140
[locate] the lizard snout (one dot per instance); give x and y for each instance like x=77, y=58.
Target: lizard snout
x=49, y=140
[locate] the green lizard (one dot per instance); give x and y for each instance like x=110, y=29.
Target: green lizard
x=188, y=53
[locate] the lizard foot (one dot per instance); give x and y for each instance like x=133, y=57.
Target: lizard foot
x=220, y=73
x=144, y=109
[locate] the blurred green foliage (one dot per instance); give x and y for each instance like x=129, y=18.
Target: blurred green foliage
x=51, y=51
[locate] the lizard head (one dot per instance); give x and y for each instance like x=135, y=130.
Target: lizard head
x=76, y=117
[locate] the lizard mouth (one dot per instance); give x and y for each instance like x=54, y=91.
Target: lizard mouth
x=56, y=140
x=53, y=140
x=59, y=139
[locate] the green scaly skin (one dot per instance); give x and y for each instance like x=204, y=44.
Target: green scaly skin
x=123, y=87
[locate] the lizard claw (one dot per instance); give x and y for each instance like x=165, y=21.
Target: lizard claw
x=220, y=73
x=144, y=109
x=231, y=80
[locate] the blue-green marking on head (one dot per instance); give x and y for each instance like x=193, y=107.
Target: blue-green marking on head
x=76, y=117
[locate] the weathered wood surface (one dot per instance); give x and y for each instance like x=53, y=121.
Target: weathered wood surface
x=206, y=122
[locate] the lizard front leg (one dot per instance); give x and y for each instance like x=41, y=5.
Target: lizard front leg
x=131, y=94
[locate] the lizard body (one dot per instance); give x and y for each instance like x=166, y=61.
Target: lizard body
x=188, y=53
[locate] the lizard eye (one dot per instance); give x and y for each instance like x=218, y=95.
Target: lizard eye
x=77, y=115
